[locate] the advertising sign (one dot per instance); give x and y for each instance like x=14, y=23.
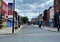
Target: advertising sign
x=10, y=8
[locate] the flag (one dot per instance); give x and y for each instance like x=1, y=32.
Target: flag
x=10, y=8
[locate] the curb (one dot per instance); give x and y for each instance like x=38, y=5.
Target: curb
x=51, y=29
x=19, y=29
x=48, y=28
x=11, y=32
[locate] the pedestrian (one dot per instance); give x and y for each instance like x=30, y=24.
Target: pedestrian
x=40, y=24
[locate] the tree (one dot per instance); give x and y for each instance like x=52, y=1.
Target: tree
x=24, y=19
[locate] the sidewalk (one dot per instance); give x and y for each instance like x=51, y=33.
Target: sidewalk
x=8, y=30
x=48, y=28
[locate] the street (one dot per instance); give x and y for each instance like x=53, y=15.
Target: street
x=30, y=33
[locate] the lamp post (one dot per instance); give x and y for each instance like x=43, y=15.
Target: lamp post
x=13, y=16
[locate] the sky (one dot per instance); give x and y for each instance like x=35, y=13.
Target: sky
x=31, y=8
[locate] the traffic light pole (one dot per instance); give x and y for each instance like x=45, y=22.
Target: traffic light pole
x=13, y=25
x=13, y=16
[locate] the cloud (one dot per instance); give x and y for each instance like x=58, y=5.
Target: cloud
x=20, y=0
x=29, y=15
x=8, y=1
x=31, y=8
x=50, y=1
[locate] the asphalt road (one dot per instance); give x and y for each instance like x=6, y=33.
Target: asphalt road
x=30, y=33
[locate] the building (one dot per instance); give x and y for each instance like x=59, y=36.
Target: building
x=5, y=9
x=45, y=16
x=48, y=16
x=51, y=17
x=33, y=20
x=39, y=18
x=56, y=6
x=56, y=12
x=51, y=13
x=4, y=13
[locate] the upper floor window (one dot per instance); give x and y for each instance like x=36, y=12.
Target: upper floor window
x=57, y=2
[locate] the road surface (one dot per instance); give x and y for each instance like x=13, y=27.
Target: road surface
x=30, y=33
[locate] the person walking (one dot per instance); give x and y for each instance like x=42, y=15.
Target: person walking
x=40, y=24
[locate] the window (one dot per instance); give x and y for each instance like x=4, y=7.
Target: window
x=57, y=2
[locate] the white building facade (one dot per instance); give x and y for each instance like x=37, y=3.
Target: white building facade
x=52, y=13
x=51, y=16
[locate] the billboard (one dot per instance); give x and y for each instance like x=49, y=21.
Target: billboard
x=10, y=8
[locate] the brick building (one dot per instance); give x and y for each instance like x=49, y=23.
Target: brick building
x=56, y=12
x=56, y=6
x=45, y=16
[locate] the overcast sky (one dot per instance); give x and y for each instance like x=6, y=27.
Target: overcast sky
x=31, y=8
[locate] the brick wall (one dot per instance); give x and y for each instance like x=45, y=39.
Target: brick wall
x=56, y=6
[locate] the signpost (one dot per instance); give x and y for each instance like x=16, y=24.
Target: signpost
x=13, y=15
